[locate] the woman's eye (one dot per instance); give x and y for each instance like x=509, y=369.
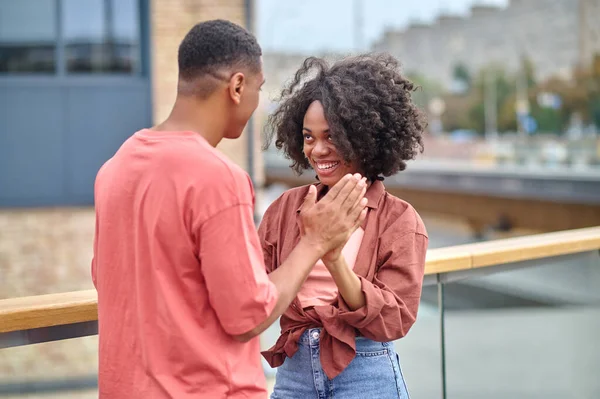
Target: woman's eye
x=307, y=137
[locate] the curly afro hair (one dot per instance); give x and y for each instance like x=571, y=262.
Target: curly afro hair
x=368, y=107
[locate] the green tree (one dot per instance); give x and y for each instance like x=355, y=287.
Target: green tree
x=528, y=68
x=427, y=89
x=456, y=115
x=549, y=120
x=492, y=79
x=579, y=95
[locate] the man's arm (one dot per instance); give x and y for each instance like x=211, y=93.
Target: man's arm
x=245, y=299
x=95, y=254
x=288, y=279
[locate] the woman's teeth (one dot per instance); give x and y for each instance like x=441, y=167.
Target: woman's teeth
x=326, y=165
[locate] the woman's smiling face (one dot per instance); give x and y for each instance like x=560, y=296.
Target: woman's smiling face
x=319, y=148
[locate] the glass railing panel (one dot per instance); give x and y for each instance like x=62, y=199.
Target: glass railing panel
x=526, y=333
x=51, y=370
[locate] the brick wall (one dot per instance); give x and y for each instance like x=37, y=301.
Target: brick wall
x=44, y=251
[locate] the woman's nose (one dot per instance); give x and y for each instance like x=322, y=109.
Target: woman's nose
x=320, y=149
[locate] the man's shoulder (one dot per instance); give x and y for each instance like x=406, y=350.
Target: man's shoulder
x=228, y=174
x=221, y=180
x=212, y=167
x=208, y=157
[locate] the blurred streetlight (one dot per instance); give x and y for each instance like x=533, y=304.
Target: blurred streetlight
x=358, y=10
x=436, y=106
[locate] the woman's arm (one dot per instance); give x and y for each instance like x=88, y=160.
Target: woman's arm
x=348, y=283
x=391, y=300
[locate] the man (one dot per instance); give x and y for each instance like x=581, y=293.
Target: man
x=182, y=288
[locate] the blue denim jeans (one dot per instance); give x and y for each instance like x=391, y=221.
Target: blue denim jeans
x=374, y=373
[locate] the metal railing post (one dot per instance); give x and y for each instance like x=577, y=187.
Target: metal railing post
x=440, y=287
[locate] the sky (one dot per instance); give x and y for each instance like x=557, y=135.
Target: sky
x=312, y=26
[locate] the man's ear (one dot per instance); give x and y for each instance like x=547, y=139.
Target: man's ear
x=236, y=87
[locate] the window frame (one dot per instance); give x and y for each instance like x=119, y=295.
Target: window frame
x=141, y=68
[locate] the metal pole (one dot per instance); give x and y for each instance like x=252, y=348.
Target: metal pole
x=358, y=25
x=582, y=30
x=109, y=28
x=440, y=286
x=249, y=11
x=108, y=51
x=60, y=61
x=490, y=106
x=521, y=94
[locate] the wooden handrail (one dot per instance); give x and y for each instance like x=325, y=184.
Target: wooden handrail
x=80, y=306
x=509, y=250
x=48, y=310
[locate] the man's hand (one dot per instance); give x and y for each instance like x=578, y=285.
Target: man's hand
x=329, y=223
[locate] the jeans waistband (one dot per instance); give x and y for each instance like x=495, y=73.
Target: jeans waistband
x=312, y=336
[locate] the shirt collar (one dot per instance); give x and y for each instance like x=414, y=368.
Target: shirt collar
x=373, y=194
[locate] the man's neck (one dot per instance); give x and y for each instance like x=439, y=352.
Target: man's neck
x=205, y=118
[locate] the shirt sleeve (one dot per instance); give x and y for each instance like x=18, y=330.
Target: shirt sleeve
x=392, y=298
x=268, y=236
x=95, y=255
x=232, y=264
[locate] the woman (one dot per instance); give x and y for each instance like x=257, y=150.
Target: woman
x=355, y=116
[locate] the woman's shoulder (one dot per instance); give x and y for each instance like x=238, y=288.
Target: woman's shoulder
x=296, y=194
x=395, y=211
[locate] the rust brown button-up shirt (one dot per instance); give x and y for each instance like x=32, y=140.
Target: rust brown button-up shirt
x=390, y=265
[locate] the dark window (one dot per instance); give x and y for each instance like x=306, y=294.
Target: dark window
x=27, y=36
x=101, y=36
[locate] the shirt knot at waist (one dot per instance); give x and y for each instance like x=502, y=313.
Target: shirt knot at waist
x=337, y=343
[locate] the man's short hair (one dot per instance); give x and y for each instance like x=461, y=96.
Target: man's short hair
x=213, y=45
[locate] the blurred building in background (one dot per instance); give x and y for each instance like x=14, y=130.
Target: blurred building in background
x=555, y=35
